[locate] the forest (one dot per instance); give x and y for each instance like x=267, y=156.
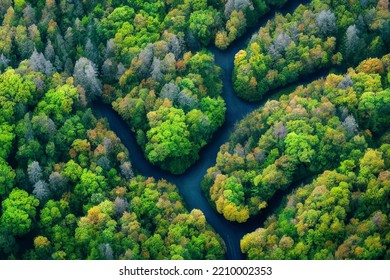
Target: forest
x=71, y=187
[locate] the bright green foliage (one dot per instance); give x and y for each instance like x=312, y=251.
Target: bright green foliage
x=312, y=38
x=19, y=211
x=301, y=135
x=68, y=189
x=202, y=25
x=7, y=176
x=84, y=211
x=57, y=103
x=114, y=21
x=6, y=138
x=154, y=225
x=90, y=184
x=174, y=104
x=331, y=218
x=167, y=137
x=14, y=91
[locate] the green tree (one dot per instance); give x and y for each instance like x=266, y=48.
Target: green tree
x=19, y=211
x=203, y=23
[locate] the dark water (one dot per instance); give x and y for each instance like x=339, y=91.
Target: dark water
x=189, y=183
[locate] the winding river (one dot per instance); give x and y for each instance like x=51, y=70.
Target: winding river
x=189, y=183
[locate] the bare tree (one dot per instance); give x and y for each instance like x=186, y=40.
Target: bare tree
x=282, y=41
x=34, y=172
x=146, y=58
x=350, y=125
x=109, y=69
x=120, y=71
x=104, y=163
x=85, y=76
x=39, y=64
x=345, y=82
x=29, y=15
x=57, y=183
x=238, y=5
x=354, y=44
x=69, y=40
x=156, y=70
x=175, y=46
x=170, y=91
x=326, y=21
x=280, y=131
x=106, y=251
x=41, y=191
x=49, y=52
x=110, y=49
x=121, y=205
x=3, y=62
x=186, y=101
x=126, y=170
x=58, y=63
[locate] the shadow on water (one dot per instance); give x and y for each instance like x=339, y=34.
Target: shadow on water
x=189, y=182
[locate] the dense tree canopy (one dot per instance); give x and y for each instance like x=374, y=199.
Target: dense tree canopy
x=68, y=189
x=72, y=188
x=174, y=104
x=315, y=36
x=343, y=214
x=303, y=134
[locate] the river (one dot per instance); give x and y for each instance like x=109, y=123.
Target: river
x=189, y=183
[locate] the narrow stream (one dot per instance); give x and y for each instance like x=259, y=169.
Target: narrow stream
x=189, y=182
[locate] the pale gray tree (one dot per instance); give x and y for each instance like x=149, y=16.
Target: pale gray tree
x=326, y=21
x=185, y=101
x=109, y=69
x=57, y=183
x=85, y=75
x=155, y=72
x=29, y=15
x=106, y=251
x=238, y=5
x=350, y=125
x=4, y=62
x=49, y=52
x=104, y=163
x=345, y=82
x=34, y=172
x=121, y=205
x=41, y=191
x=354, y=44
x=176, y=46
x=58, y=63
x=170, y=91
x=280, y=131
x=146, y=59
x=110, y=49
x=120, y=70
x=126, y=170
x=69, y=38
x=282, y=41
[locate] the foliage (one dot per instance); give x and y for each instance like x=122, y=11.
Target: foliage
x=314, y=37
x=173, y=104
x=303, y=134
x=343, y=214
x=71, y=190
